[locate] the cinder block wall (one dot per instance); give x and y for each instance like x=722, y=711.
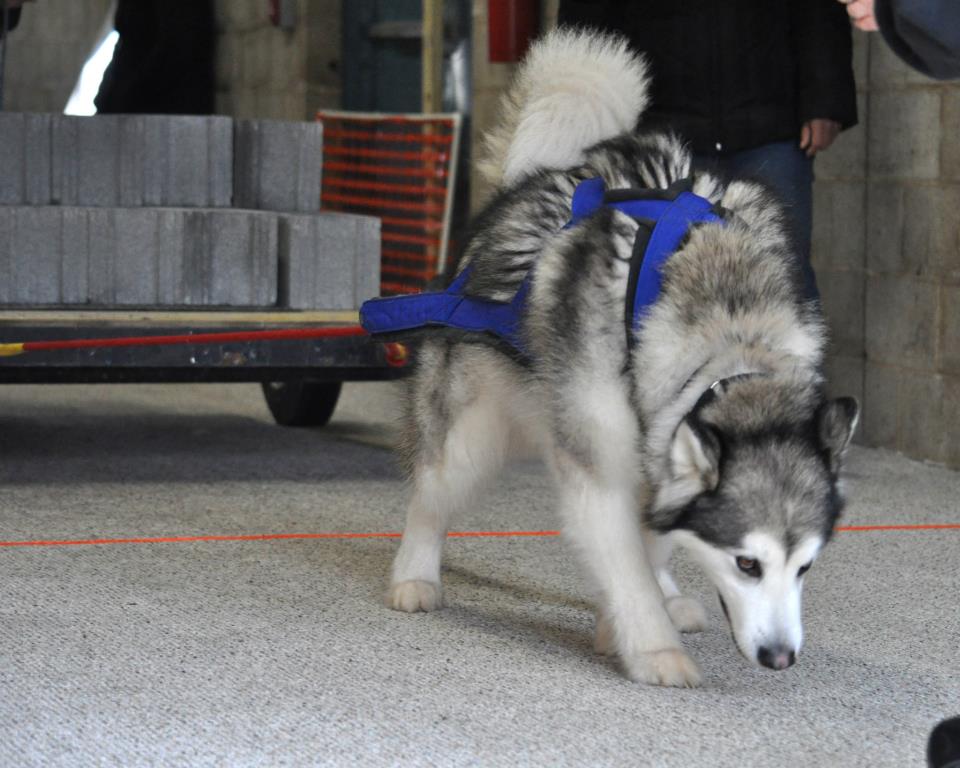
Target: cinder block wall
x=265, y=71
x=887, y=254
x=910, y=261
x=839, y=238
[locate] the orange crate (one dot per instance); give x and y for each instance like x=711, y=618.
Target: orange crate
x=401, y=168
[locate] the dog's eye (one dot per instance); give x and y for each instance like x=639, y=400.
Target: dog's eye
x=750, y=566
x=804, y=569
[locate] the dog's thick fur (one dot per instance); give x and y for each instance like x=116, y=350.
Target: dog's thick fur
x=751, y=473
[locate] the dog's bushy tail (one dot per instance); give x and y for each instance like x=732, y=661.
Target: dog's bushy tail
x=574, y=88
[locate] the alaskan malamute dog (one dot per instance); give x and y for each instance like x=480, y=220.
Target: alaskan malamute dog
x=706, y=427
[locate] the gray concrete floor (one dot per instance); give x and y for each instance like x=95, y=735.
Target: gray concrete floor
x=278, y=652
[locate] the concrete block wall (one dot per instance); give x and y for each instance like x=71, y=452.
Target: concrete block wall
x=912, y=275
x=887, y=253
x=839, y=240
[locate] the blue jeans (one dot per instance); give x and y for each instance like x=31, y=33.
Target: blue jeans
x=788, y=172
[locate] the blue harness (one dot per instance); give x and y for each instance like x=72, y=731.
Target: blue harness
x=670, y=218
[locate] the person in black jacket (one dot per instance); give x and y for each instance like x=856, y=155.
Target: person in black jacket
x=164, y=61
x=756, y=87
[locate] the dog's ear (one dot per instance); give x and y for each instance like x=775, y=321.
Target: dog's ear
x=695, y=454
x=694, y=464
x=836, y=423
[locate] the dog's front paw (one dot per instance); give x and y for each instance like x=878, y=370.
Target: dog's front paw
x=413, y=596
x=668, y=667
x=686, y=614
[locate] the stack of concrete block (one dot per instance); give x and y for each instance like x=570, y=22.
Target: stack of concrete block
x=25, y=159
x=331, y=260
x=137, y=256
x=131, y=210
x=277, y=165
x=134, y=161
x=116, y=160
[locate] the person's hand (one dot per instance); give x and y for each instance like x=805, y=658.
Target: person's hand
x=861, y=14
x=818, y=134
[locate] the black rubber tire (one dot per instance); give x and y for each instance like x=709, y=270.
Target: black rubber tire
x=301, y=403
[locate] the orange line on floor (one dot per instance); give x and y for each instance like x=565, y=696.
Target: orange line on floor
x=394, y=535
x=924, y=527
x=263, y=537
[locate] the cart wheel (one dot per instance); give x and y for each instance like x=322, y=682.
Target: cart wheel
x=301, y=403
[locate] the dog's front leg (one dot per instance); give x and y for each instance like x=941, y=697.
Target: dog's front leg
x=686, y=613
x=600, y=518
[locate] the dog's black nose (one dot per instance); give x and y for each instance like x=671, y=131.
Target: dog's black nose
x=776, y=657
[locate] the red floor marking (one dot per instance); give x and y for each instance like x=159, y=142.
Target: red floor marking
x=394, y=535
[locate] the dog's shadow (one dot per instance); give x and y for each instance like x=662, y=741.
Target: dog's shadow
x=514, y=611
x=457, y=576
x=502, y=609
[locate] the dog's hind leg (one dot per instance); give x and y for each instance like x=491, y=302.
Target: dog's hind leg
x=461, y=435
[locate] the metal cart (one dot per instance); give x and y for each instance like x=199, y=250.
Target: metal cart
x=301, y=378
